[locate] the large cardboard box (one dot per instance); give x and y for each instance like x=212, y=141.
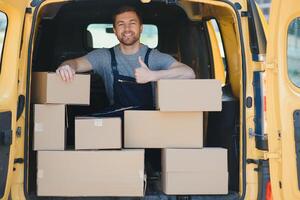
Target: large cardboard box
x=194, y=171
x=189, y=95
x=48, y=87
x=90, y=173
x=49, y=127
x=97, y=133
x=154, y=129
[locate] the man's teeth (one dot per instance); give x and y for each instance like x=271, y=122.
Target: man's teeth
x=127, y=34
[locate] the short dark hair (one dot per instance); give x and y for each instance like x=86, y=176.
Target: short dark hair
x=124, y=9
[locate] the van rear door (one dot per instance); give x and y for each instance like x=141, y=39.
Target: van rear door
x=282, y=70
x=11, y=25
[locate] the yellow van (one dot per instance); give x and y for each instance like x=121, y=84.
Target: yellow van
x=220, y=39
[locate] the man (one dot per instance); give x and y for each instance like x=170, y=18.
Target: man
x=128, y=68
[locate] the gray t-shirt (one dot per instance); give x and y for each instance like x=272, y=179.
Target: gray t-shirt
x=101, y=63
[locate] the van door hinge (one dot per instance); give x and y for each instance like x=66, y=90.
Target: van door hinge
x=270, y=155
x=270, y=66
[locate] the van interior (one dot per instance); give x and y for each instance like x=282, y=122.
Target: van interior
x=61, y=33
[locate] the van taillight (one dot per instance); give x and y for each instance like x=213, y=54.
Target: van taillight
x=269, y=191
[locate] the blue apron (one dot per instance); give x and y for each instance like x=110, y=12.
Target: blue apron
x=128, y=94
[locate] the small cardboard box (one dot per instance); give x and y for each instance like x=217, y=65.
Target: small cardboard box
x=97, y=133
x=194, y=171
x=91, y=173
x=49, y=127
x=154, y=129
x=189, y=95
x=48, y=87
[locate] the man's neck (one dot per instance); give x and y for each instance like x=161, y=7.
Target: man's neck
x=129, y=50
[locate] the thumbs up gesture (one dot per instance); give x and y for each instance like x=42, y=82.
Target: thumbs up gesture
x=143, y=74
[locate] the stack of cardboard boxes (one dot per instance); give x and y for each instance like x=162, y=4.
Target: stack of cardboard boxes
x=177, y=128
x=100, y=167
x=105, y=172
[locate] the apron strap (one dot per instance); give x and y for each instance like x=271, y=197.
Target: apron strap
x=113, y=61
x=146, y=59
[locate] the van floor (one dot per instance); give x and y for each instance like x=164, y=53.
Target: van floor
x=153, y=193
x=158, y=196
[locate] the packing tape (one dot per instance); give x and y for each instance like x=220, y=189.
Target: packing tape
x=40, y=173
x=98, y=122
x=38, y=127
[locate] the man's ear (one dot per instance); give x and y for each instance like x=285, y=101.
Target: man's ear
x=141, y=28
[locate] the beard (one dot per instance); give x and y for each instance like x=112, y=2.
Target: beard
x=128, y=40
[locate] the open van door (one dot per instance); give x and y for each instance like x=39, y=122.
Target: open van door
x=11, y=24
x=283, y=98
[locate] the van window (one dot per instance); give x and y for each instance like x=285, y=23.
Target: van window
x=265, y=7
x=102, y=36
x=293, y=51
x=3, y=25
x=220, y=67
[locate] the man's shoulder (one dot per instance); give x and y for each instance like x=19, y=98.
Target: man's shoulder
x=156, y=52
x=100, y=52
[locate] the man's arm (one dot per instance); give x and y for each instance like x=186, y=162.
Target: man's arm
x=177, y=70
x=68, y=68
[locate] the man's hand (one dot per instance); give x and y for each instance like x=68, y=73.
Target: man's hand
x=68, y=68
x=143, y=74
x=66, y=72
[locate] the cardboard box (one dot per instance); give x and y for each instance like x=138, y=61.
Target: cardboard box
x=154, y=129
x=194, y=171
x=49, y=127
x=97, y=133
x=189, y=95
x=90, y=173
x=50, y=88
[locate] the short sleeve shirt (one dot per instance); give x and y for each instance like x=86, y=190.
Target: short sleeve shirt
x=100, y=60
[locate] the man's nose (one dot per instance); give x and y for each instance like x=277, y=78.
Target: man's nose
x=127, y=27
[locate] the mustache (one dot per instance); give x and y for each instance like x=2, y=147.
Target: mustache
x=128, y=32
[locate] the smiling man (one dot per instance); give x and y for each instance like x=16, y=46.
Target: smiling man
x=128, y=68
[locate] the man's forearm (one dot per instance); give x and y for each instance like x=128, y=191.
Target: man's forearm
x=78, y=64
x=72, y=63
x=179, y=72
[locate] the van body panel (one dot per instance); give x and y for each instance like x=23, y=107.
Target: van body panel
x=10, y=88
x=282, y=101
x=225, y=14
x=282, y=167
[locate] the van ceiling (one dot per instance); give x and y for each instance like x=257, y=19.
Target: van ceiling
x=101, y=11
x=61, y=30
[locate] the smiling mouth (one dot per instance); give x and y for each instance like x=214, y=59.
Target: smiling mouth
x=128, y=34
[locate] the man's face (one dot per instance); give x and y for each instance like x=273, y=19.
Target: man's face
x=128, y=28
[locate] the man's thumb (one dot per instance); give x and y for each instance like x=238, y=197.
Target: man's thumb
x=142, y=62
